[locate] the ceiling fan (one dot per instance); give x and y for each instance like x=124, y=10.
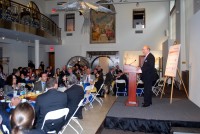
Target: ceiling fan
x=84, y=8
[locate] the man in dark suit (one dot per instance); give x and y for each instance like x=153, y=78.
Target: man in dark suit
x=41, y=85
x=74, y=95
x=148, y=75
x=49, y=101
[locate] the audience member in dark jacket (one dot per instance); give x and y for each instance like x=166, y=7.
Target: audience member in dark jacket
x=74, y=95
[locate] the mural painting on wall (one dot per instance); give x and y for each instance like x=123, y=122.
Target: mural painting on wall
x=102, y=28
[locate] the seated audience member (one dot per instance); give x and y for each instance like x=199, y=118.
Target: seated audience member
x=88, y=77
x=22, y=119
x=11, y=84
x=117, y=69
x=99, y=81
x=37, y=74
x=49, y=101
x=62, y=81
x=16, y=72
x=22, y=78
x=6, y=109
x=74, y=95
x=109, y=79
x=64, y=71
x=71, y=76
x=57, y=74
x=94, y=71
x=99, y=69
x=41, y=85
x=49, y=72
x=2, y=77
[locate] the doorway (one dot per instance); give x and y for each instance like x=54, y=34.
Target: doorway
x=52, y=59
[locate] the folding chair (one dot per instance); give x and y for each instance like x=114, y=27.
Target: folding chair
x=74, y=119
x=88, y=97
x=99, y=100
x=53, y=115
x=123, y=88
x=139, y=90
x=157, y=87
x=5, y=129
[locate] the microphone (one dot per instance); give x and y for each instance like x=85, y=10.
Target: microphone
x=132, y=62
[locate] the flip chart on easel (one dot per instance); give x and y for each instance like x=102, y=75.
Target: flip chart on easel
x=172, y=60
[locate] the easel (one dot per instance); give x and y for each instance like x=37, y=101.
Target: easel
x=172, y=88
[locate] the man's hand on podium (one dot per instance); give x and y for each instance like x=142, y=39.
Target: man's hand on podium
x=139, y=69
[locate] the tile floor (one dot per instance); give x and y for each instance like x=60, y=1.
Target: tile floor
x=93, y=118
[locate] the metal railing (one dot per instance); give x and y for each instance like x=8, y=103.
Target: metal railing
x=15, y=12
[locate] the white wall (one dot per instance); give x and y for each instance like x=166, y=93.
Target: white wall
x=194, y=93
x=18, y=56
x=157, y=21
x=189, y=13
x=43, y=55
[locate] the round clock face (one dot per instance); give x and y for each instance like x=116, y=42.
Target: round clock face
x=78, y=59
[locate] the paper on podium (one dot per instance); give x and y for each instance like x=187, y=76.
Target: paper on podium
x=130, y=68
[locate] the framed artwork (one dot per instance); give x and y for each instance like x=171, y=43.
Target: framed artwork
x=102, y=27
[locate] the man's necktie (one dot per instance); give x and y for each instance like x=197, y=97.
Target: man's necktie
x=43, y=85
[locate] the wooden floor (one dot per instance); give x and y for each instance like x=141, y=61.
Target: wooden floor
x=93, y=118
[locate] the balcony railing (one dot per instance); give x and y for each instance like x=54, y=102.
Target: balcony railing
x=15, y=12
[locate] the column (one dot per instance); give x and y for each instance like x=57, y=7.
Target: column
x=37, y=62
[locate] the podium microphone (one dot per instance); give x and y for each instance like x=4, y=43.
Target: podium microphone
x=132, y=62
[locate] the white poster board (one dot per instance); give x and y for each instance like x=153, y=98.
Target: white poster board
x=172, y=60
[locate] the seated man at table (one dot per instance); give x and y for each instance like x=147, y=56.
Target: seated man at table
x=71, y=76
x=49, y=101
x=5, y=110
x=41, y=85
x=74, y=95
x=88, y=77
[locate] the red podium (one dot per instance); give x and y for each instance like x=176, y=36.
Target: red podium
x=132, y=71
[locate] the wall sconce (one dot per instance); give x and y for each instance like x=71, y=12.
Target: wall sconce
x=137, y=4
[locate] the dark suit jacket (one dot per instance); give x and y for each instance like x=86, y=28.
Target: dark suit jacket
x=148, y=68
x=5, y=115
x=38, y=86
x=74, y=95
x=99, y=82
x=50, y=101
x=109, y=78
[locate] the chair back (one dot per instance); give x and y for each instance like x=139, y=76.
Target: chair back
x=90, y=87
x=56, y=114
x=79, y=105
x=121, y=82
x=100, y=88
x=121, y=87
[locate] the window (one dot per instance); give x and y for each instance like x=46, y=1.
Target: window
x=70, y=22
x=139, y=18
